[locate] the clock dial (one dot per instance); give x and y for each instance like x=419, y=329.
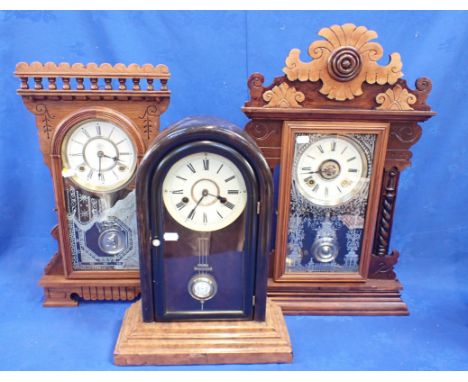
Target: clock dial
x=204, y=192
x=331, y=170
x=98, y=155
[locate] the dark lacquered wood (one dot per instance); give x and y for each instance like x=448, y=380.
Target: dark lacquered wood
x=192, y=131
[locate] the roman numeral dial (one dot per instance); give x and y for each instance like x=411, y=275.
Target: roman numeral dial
x=330, y=170
x=204, y=192
x=98, y=155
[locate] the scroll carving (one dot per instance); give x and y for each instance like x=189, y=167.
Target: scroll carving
x=381, y=267
x=408, y=134
x=267, y=135
x=396, y=98
x=260, y=132
x=255, y=84
x=343, y=62
x=283, y=96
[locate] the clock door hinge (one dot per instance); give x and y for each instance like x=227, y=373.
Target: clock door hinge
x=253, y=300
x=258, y=208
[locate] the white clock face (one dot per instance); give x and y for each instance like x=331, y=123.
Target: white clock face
x=331, y=171
x=204, y=192
x=99, y=156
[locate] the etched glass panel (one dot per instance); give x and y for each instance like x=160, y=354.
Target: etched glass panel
x=103, y=233
x=329, y=196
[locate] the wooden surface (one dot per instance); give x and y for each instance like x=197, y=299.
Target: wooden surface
x=62, y=291
x=203, y=342
x=343, y=83
x=369, y=298
x=62, y=95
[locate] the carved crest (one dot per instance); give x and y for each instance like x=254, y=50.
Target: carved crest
x=283, y=96
x=343, y=62
x=396, y=98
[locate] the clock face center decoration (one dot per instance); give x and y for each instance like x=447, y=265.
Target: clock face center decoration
x=99, y=156
x=204, y=192
x=207, y=190
x=330, y=170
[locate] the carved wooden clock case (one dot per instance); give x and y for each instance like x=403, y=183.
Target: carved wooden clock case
x=93, y=131
x=340, y=127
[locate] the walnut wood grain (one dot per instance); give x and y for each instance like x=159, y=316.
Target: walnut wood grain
x=203, y=342
x=62, y=95
x=334, y=93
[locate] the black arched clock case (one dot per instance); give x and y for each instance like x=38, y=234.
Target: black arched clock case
x=204, y=195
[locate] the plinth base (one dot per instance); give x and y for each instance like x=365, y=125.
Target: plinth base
x=60, y=291
x=202, y=342
x=370, y=298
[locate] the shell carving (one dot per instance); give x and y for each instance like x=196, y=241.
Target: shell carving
x=343, y=62
x=283, y=96
x=396, y=98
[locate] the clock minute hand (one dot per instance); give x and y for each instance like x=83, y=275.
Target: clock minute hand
x=192, y=212
x=100, y=154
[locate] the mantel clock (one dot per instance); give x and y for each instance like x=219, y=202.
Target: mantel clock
x=93, y=132
x=340, y=128
x=204, y=207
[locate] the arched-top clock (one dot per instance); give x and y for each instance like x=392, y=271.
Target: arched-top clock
x=93, y=133
x=204, y=195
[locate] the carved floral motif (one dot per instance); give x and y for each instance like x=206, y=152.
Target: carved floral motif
x=150, y=120
x=343, y=62
x=396, y=98
x=283, y=96
x=46, y=117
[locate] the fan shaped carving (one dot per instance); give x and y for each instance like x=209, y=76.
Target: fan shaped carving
x=343, y=62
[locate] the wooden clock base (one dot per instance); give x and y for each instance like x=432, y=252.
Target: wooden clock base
x=60, y=291
x=202, y=342
x=370, y=298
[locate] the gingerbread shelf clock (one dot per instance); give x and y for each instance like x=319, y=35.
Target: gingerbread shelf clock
x=340, y=127
x=94, y=123
x=204, y=198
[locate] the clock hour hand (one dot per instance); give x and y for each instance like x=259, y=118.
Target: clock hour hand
x=222, y=199
x=312, y=172
x=115, y=159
